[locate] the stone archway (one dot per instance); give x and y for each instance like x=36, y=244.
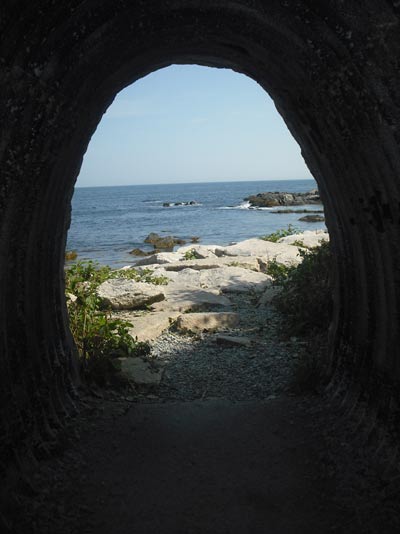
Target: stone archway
x=333, y=73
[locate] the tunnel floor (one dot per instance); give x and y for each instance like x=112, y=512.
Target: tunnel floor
x=285, y=465
x=204, y=467
x=222, y=446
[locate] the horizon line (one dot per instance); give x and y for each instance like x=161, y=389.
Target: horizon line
x=203, y=182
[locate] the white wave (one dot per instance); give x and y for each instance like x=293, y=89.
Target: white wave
x=243, y=206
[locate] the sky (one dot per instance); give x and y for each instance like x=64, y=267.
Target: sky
x=187, y=123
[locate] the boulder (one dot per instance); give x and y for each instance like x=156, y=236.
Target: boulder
x=211, y=322
x=150, y=326
x=266, y=250
x=138, y=252
x=226, y=279
x=251, y=263
x=167, y=242
x=138, y=371
x=160, y=258
x=183, y=299
x=203, y=251
x=268, y=296
x=308, y=239
x=273, y=199
x=123, y=294
x=312, y=218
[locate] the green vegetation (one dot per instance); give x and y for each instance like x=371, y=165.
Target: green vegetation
x=306, y=306
x=275, y=236
x=98, y=336
x=190, y=254
x=279, y=272
x=306, y=297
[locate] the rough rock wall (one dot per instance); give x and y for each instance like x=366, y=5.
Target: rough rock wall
x=332, y=69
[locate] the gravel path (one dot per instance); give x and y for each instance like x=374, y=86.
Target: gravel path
x=197, y=367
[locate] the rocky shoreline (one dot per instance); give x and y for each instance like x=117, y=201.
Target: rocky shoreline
x=211, y=303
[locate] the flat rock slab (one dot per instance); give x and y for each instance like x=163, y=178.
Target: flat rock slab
x=139, y=371
x=149, y=327
x=232, y=341
x=160, y=258
x=211, y=322
x=123, y=294
x=250, y=262
x=202, y=251
x=182, y=299
x=268, y=296
x=267, y=250
x=308, y=238
x=225, y=279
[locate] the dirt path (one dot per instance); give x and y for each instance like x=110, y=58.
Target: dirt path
x=221, y=447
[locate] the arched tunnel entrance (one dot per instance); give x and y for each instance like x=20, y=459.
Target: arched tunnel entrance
x=332, y=72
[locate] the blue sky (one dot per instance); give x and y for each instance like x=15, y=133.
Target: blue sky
x=187, y=123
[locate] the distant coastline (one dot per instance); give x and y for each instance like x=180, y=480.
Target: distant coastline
x=110, y=221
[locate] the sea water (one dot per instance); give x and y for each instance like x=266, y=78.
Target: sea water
x=108, y=222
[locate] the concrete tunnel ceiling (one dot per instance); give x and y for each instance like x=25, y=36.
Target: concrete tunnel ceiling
x=332, y=69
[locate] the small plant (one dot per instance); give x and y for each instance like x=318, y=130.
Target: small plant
x=99, y=337
x=190, y=254
x=299, y=243
x=275, y=236
x=144, y=275
x=279, y=272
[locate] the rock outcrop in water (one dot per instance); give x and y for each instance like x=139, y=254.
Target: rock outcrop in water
x=271, y=200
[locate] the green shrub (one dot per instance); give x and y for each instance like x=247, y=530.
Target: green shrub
x=98, y=336
x=279, y=272
x=275, y=236
x=306, y=296
x=190, y=254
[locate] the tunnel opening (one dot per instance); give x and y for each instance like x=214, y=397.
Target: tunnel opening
x=217, y=253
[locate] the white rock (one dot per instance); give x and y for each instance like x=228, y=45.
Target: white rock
x=268, y=295
x=199, y=322
x=160, y=258
x=203, y=251
x=225, y=279
x=309, y=238
x=180, y=298
x=139, y=371
x=214, y=262
x=123, y=294
x=267, y=250
x=150, y=326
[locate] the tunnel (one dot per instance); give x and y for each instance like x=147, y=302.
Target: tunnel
x=332, y=69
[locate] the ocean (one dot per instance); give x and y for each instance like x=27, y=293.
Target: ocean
x=108, y=222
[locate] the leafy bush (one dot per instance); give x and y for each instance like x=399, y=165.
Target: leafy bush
x=190, y=255
x=278, y=271
x=306, y=296
x=275, y=236
x=99, y=337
